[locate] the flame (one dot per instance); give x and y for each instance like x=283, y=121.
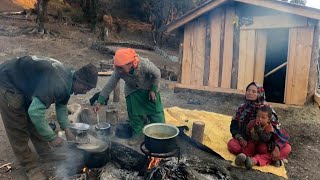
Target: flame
x=154, y=162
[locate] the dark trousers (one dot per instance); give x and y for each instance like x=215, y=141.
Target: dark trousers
x=20, y=129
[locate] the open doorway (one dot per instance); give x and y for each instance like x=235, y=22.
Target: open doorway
x=277, y=54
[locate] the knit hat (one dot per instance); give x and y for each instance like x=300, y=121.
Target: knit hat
x=87, y=75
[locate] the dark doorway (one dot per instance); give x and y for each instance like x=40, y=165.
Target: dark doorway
x=277, y=54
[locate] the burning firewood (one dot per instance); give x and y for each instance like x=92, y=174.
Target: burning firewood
x=126, y=157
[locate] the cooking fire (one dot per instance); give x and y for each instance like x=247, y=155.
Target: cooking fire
x=154, y=161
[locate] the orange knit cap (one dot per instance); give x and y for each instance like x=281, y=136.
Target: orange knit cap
x=125, y=56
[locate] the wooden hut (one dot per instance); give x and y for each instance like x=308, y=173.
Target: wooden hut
x=227, y=44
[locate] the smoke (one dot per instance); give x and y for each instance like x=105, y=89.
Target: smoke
x=73, y=163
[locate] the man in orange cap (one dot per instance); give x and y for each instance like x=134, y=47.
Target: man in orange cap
x=142, y=80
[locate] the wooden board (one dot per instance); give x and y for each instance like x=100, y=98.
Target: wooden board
x=260, y=56
x=235, y=59
x=250, y=61
x=228, y=48
x=215, y=21
x=314, y=74
x=105, y=73
x=299, y=56
x=277, y=21
x=285, y=7
x=187, y=54
x=192, y=15
x=246, y=58
x=207, y=56
x=210, y=89
x=199, y=39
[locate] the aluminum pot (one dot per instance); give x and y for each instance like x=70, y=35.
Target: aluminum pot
x=104, y=127
x=160, y=137
x=78, y=128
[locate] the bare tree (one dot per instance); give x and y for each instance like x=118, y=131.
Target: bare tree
x=42, y=11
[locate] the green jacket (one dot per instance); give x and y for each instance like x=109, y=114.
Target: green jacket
x=43, y=81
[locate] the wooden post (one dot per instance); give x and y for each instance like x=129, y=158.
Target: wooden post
x=181, y=35
x=235, y=59
x=207, y=55
x=313, y=73
x=198, y=131
x=116, y=93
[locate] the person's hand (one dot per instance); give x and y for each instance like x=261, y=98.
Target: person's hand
x=69, y=135
x=258, y=128
x=152, y=96
x=96, y=108
x=275, y=154
x=243, y=142
x=58, y=141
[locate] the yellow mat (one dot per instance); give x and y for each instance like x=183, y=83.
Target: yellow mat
x=216, y=134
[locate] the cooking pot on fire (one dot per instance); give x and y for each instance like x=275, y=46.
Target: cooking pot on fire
x=160, y=137
x=78, y=128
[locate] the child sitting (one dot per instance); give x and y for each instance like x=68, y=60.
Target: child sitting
x=260, y=142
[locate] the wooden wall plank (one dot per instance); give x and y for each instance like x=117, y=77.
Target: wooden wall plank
x=313, y=74
x=260, y=59
x=277, y=21
x=250, y=61
x=246, y=58
x=215, y=21
x=207, y=55
x=300, y=40
x=186, y=18
x=242, y=60
x=187, y=54
x=199, y=39
x=228, y=48
x=291, y=65
x=235, y=61
x=288, y=8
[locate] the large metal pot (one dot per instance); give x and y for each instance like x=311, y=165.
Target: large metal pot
x=78, y=128
x=160, y=137
x=104, y=127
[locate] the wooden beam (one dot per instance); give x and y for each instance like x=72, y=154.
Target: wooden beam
x=260, y=56
x=246, y=58
x=300, y=43
x=215, y=21
x=286, y=7
x=210, y=89
x=314, y=74
x=106, y=73
x=192, y=15
x=180, y=57
x=228, y=48
x=242, y=60
x=187, y=54
x=235, y=61
x=116, y=93
x=207, y=55
x=250, y=61
x=198, y=51
x=277, y=21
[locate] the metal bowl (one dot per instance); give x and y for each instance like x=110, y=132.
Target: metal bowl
x=79, y=127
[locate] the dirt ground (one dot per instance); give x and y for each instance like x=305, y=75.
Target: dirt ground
x=71, y=45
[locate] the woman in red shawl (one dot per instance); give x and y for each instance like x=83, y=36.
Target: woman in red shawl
x=255, y=98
